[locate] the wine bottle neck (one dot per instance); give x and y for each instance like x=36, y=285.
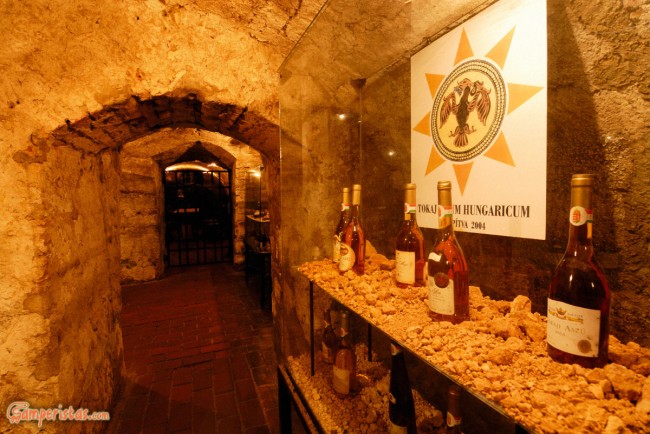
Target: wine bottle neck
x=355, y=211
x=345, y=326
x=409, y=211
x=453, y=408
x=446, y=221
x=327, y=319
x=409, y=221
x=580, y=240
x=345, y=338
x=345, y=215
x=580, y=227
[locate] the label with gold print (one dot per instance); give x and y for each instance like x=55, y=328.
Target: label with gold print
x=405, y=267
x=573, y=329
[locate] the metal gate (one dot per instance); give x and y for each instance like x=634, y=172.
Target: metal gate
x=198, y=217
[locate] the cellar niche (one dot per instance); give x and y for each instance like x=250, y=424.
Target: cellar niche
x=351, y=123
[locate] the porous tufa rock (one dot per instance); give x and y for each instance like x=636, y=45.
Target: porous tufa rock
x=626, y=384
x=614, y=425
x=521, y=306
x=643, y=406
x=501, y=353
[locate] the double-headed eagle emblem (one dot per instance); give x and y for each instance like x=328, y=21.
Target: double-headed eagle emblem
x=480, y=101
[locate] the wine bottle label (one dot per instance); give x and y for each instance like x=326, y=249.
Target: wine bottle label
x=346, y=261
x=336, y=252
x=573, y=329
x=405, y=267
x=578, y=216
x=409, y=208
x=396, y=429
x=341, y=380
x=453, y=421
x=441, y=294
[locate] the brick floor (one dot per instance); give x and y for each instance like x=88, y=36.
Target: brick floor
x=199, y=356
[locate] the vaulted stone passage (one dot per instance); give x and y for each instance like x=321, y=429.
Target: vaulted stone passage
x=72, y=352
x=142, y=235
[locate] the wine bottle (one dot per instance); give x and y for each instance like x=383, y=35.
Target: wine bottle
x=409, y=248
x=446, y=266
x=579, y=296
x=343, y=222
x=345, y=362
x=454, y=419
x=329, y=339
x=353, y=242
x=401, y=408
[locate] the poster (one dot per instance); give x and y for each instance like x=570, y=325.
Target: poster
x=478, y=119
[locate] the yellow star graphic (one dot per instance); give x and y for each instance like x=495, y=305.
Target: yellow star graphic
x=518, y=94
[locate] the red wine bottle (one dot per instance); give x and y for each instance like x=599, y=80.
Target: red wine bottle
x=353, y=243
x=446, y=267
x=345, y=362
x=344, y=219
x=329, y=340
x=579, y=296
x=454, y=419
x=401, y=408
x=409, y=247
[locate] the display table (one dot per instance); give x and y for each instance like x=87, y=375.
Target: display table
x=498, y=358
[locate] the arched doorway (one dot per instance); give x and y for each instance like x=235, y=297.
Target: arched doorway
x=198, y=214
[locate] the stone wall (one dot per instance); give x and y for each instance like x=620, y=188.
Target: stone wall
x=81, y=80
x=63, y=342
x=142, y=243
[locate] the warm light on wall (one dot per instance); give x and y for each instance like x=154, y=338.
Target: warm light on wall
x=187, y=166
x=257, y=173
x=193, y=165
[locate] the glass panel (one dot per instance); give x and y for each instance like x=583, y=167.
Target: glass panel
x=345, y=119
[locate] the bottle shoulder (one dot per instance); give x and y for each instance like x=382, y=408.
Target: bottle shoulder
x=407, y=236
x=579, y=265
x=449, y=250
x=579, y=283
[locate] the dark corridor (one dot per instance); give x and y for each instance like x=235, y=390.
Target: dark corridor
x=198, y=217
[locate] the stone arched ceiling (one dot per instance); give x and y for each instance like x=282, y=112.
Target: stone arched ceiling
x=119, y=124
x=166, y=145
x=275, y=22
